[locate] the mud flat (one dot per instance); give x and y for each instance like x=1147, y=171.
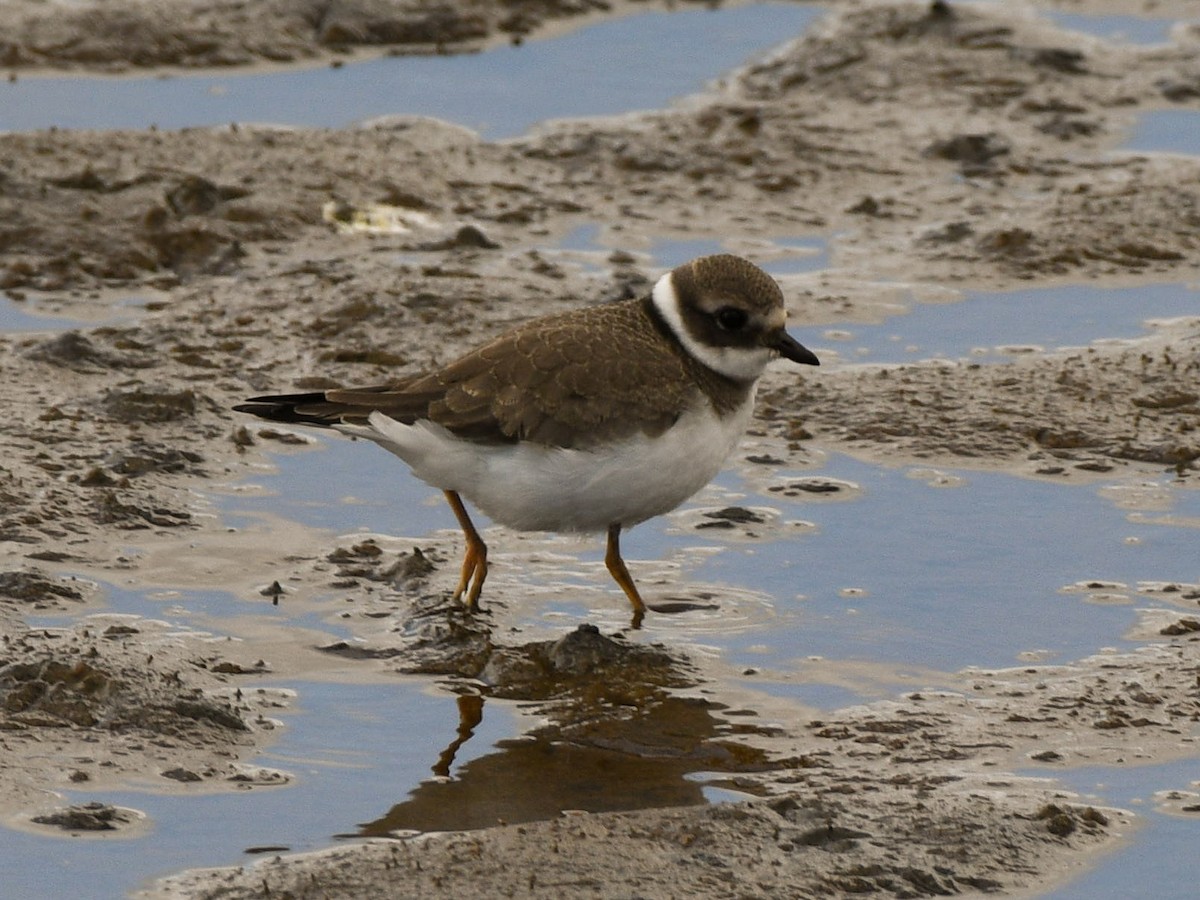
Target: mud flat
x=940, y=146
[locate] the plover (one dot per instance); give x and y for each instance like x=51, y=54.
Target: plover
x=591, y=420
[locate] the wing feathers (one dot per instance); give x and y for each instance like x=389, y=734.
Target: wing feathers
x=555, y=381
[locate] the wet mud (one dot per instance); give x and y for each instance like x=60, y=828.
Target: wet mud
x=940, y=144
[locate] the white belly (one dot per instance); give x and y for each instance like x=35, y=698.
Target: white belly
x=534, y=488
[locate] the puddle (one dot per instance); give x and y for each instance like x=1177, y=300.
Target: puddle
x=1116, y=28
x=29, y=316
x=619, y=767
x=215, y=611
x=604, y=63
x=1162, y=856
x=914, y=574
x=669, y=253
x=342, y=485
x=1166, y=131
x=341, y=744
x=992, y=326
x=907, y=573
x=799, y=255
x=20, y=318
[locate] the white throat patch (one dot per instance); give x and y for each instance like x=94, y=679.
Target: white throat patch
x=738, y=363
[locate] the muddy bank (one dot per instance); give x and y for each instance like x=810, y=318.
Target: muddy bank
x=783, y=848
x=936, y=145
x=1003, y=176
x=1089, y=411
x=115, y=701
x=186, y=34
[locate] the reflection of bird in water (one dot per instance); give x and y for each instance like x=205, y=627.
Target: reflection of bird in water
x=470, y=714
x=639, y=747
x=591, y=420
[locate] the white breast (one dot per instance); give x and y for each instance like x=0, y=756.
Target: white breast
x=531, y=487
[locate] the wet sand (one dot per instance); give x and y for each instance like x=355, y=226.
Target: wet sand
x=943, y=146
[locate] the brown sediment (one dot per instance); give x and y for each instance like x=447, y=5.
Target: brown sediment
x=939, y=146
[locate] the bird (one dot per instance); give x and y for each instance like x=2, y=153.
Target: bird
x=589, y=420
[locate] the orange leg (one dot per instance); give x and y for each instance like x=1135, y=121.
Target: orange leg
x=475, y=568
x=616, y=568
x=470, y=714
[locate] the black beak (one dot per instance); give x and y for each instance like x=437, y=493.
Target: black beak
x=790, y=348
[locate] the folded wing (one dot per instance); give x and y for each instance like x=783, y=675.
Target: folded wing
x=549, y=382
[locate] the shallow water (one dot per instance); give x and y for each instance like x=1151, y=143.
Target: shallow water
x=907, y=571
x=948, y=577
x=1166, y=131
x=1161, y=860
x=31, y=316
x=351, y=747
x=942, y=578
x=606, y=64
x=1116, y=28
x=20, y=318
x=990, y=326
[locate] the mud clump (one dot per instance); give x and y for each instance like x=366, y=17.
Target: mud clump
x=149, y=405
x=1186, y=625
x=58, y=692
x=730, y=517
x=143, y=458
x=55, y=693
x=34, y=588
x=88, y=817
x=439, y=637
x=370, y=22
x=111, y=508
x=113, y=701
x=583, y=663
x=82, y=353
x=1062, y=821
x=975, y=153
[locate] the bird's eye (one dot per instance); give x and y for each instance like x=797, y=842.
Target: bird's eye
x=730, y=318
